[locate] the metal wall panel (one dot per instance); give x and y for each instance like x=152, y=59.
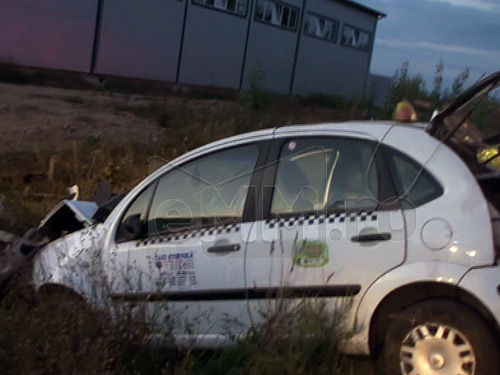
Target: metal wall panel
x=56, y=34
x=270, y=55
x=140, y=39
x=213, y=48
x=331, y=68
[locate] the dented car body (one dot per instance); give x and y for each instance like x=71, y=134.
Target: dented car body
x=399, y=219
x=67, y=217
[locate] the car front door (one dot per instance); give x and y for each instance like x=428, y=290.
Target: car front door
x=180, y=245
x=329, y=227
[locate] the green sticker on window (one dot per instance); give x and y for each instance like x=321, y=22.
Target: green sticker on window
x=310, y=253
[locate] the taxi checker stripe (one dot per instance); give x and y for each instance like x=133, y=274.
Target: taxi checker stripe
x=321, y=219
x=272, y=223
x=190, y=233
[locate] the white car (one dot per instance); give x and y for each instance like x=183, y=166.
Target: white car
x=394, y=217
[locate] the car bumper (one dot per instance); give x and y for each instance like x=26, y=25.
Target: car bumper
x=484, y=285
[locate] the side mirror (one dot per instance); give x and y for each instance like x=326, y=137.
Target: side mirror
x=133, y=227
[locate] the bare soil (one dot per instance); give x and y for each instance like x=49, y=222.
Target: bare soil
x=41, y=117
x=46, y=117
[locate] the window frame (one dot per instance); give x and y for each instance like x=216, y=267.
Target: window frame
x=144, y=234
x=386, y=186
x=201, y=3
x=250, y=208
x=388, y=153
x=284, y=4
x=335, y=22
x=370, y=44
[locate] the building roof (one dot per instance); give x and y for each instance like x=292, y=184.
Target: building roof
x=364, y=8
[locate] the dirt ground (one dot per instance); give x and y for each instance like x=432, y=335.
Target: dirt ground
x=45, y=117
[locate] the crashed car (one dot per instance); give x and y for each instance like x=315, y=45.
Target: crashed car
x=399, y=219
x=67, y=217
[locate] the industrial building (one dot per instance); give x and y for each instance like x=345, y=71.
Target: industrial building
x=291, y=47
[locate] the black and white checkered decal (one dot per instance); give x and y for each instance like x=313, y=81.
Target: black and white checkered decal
x=301, y=220
x=192, y=233
x=288, y=222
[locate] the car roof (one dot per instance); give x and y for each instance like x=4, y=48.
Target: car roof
x=376, y=129
x=372, y=129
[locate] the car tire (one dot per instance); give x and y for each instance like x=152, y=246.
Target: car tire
x=440, y=337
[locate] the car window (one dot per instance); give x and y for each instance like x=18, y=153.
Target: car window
x=138, y=208
x=325, y=174
x=209, y=191
x=412, y=181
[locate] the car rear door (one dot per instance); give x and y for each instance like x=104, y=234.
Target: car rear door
x=329, y=227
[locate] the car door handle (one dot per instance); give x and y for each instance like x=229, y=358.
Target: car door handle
x=224, y=248
x=371, y=237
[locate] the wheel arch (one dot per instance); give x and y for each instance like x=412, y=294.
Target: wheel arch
x=59, y=289
x=409, y=294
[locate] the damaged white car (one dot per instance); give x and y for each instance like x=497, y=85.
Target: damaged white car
x=398, y=218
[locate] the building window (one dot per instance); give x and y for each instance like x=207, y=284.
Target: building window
x=233, y=6
x=356, y=38
x=277, y=14
x=321, y=27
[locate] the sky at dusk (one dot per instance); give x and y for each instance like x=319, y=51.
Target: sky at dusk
x=463, y=33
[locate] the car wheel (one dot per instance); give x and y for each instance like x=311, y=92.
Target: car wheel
x=440, y=337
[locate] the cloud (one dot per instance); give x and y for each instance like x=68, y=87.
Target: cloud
x=439, y=47
x=477, y=4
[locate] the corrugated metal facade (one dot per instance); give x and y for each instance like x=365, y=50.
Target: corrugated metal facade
x=332, y=67
x=56, y=34
x=297, y=47
x=140, y=39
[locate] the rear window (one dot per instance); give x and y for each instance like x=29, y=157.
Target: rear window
x=413, y=182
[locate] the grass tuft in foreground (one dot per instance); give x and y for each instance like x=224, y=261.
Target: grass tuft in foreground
x=56, y=333
x=300, y=337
